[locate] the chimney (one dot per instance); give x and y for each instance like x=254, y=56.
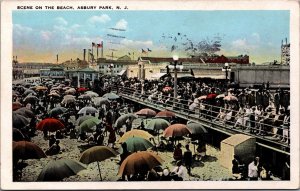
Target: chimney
x=286, y=41
x=84, y=54
x=16, y=58
x=281, y=43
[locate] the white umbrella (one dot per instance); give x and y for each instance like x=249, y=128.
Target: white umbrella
x=88, y=110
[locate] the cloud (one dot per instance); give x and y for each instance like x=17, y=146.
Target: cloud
x=46, y=35
x=21, y=30
x=255, y=37
x=104, y=18
x=243, y=44
x=121, y=24
x=61, y=21
x=137, y=44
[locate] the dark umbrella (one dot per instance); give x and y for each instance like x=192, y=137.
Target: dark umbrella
x=58, y=111
x=29, y=91
x=111, y=96
x=156, y=124
x=139, y=162
x=25, y=112
x=176, y=130
x=50, y=124
x=196, y=128
x=135, y=144
x=97, y=153
x=18, y=135
x=88, y=124
x=19, y=121
x=27, y=150
x=60, y=169
x=30, y=99
x=122, y=119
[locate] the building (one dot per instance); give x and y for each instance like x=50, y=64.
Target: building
x=285, y=53
x=82, y=77
x=54, y=73
x=29, y=69
x=115, y=67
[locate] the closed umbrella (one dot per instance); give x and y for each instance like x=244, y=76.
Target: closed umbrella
x=83, y=118
x=140, y=162
x=146, y=112
x=57, y=111
x=19, y=121
x=122, y=119
x=176, y=130
x=97, y=153
x=57, y=170
x=111, y=96
x=135, y=144
x=196, y=128
x=165, y=114
x=88, y=110
x=50, y=124
x=27, y=150
x=135, y=133
x=157, y=124
x=25, y=112
x=87, y=125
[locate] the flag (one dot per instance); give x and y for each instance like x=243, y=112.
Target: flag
x=144, y=52
x=99, y=45
x=93, y=44
x=149, y=50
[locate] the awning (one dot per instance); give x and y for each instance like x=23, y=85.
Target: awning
x=183, y=75
x=210, y=76
x=121, y=73
x=158, y=75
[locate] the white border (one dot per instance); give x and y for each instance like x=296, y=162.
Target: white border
x=6, y=92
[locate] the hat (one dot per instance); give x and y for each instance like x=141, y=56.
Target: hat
x=166, y=172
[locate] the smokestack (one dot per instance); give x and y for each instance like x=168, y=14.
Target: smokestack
x=286, y=41
x=84, y=54
x=281, y=43
x=56, y=58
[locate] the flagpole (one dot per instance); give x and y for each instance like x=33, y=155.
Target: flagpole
x=102, y=49
x=92, y=51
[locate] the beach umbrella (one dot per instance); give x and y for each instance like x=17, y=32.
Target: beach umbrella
x=70, y=91
x=211, y=96
x=176, y=130
x=41, y=88
x=29, y=91
x=83, y=118
x=230, y=98
x=30, y=99
x=98, y=101
x=111, y=96
x=82, y=89
x=84, y=96
x=92, y=94
x=27, y=150
x=146, y=112
x=142, y=162
x=18, y=135
x=135, y=133
x=57, y=170
x=97, y=153
x=16, y=105
x=57, y=111
x=88, y=110
x=220, y=96
x=165, y=114
x=122, y=119
x=68, y=99
x=50, y=124
x=25, y=112
x=156, y=124
x=196, y=128
x=135, y=144
x=202, y=97
x=19, y=121
x=88, y=124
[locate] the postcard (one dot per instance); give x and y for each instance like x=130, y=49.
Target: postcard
x=149, y=94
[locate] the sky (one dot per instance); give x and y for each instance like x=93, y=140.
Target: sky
x=38, y=36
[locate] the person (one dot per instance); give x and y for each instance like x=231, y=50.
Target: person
x=58, y=134
x=179, y=171
x=236, y=167
x=128, y=124
x=51, y=140
x=72, y=134
x=112, y=138
x=100, y=138
x=177, y=155
x=165, y=175
x=188, y=158
x=253, y=169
